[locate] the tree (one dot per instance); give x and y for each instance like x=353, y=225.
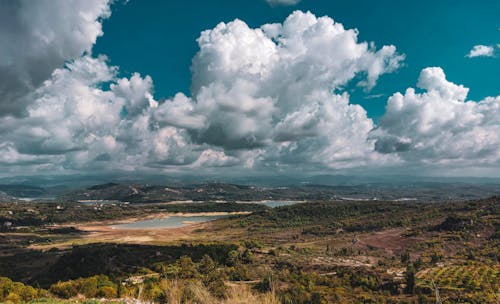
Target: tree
x=64, y=290
x=233, y=257
x=266, y=284
x=410, y=278
x=89, y=287
x=214, y=282
x=206, y=265
x=187, y=268
x=405, y=257
x=246, y=256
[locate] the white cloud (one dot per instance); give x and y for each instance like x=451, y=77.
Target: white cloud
x=282, y=2
x=439, y=126
x=39, y=36
x=260, y=98
x=270, y=88
x=264, y=98
x=74, y=124
x=63, y=118
x=481, y=51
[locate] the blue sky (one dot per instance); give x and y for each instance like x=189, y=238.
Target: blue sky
x=429, y=33
x=227, y=87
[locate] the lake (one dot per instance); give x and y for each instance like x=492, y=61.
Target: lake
x=274, y=204
x=181, y=221
x=168, y=222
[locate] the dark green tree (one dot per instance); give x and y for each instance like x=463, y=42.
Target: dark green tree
x=410, y=278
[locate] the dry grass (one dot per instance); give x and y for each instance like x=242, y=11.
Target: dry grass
x=185, y=292
x=243, y=294
x=173, y=290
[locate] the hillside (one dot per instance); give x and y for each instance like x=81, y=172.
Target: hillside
x=137, y=193
x=314, y=252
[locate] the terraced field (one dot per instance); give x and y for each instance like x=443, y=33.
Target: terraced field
x=467, y=278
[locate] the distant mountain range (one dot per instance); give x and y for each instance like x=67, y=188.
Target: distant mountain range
x=136, y=193
x=317, y=187
x=59, y=182
x=22, y=190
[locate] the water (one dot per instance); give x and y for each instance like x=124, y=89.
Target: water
x=100, y=202
x=181, y=221
x=169, y=222
x=274, y=204
x=36, y=199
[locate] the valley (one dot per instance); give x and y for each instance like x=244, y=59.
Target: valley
x=312, y=251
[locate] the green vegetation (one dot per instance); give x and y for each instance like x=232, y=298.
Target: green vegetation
x=468, y=278
x=40, y=214
x=15, y=292
x=318, y=252
x=97, y=286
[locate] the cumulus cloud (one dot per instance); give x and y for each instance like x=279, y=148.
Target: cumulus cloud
x=267, y=98
x=440, y=126
x=38, y=37
x=481, y=51
x=259, y=97
x=270, y=88
x=74, y=124
x=282, y=2
x=57, y=116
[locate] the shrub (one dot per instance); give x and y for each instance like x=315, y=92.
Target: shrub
x=64, y=290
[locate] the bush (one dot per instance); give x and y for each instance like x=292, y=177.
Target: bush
x=64, y=290
x=96, y=286
x=187, y=268
x=108, y=292
x=16, y=292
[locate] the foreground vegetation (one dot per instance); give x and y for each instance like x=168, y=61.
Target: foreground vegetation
x=317, y=252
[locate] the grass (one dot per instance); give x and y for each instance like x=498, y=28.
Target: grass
x=58, y=301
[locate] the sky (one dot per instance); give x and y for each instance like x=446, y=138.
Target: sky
x=224, y=87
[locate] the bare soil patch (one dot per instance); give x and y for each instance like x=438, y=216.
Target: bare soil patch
x=391, y=240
